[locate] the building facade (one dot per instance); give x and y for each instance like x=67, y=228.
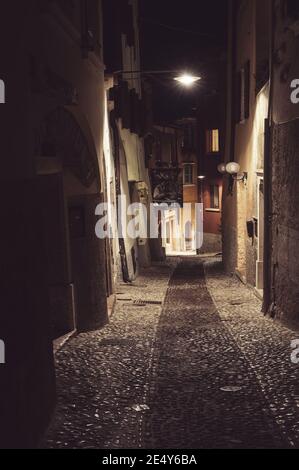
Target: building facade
x=127, y=126
x=210, y=125
x=259, y=215
x=75, y=140
x=248, y=97
x=282, y=278
x=184, y=172
x=55, y=265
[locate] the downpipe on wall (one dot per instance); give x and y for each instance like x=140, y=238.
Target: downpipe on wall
x=268, y=277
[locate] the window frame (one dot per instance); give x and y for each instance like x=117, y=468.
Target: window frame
x=213, y=191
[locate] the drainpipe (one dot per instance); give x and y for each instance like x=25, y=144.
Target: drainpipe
x=230, y=116
x=268, y=174
x=232, y=77
x=122, y=247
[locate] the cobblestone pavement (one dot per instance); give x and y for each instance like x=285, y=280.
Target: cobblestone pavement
x=206, y=370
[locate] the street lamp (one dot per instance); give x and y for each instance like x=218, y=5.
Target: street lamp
x=187, y=80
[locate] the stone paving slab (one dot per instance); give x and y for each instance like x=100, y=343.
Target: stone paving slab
x=102, y=377
x=206, y=370
x=204, y=393
x=265, y=343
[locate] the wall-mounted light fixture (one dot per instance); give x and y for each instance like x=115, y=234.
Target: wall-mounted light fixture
x=233, y=170
x=222, y=168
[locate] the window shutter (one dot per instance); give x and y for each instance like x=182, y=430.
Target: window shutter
x=247, y=90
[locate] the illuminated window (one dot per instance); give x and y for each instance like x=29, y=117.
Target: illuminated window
x=213, y=145
x=188, y=174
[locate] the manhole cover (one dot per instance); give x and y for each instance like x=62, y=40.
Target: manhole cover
x=142, y=303
x=231, y=389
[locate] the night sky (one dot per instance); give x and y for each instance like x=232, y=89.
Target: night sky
x=187, y=35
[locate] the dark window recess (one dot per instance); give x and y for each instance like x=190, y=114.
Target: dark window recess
x=136, y=115
x=292, y=9
x=112, y=35
x=256, y=227
x=88, y=36
x=77, y=222
x=188, y=140
x=127, y=25
x=262, y=74
x=188, y=174
x=250, y=228
x=132, y=187
x=243, y=93
x=94, y=24
x=121, y=98
x=214, y=197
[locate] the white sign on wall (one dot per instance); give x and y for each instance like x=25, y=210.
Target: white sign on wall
x=2, y=92
x=2, y=352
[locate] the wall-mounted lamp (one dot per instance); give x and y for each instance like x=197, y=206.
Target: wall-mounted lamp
x=222, y=168
x=241, y=176
x=201, y=178
x=233, y=170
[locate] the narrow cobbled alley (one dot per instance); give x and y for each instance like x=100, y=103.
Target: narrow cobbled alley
x=187, y=361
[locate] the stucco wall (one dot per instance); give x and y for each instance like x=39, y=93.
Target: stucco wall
x=240, y=250
x=285, y=230
x=285, y=168
x=41, y=65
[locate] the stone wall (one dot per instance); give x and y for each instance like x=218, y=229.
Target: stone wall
x=285, y=224
x=27, y=380
x=212, y=243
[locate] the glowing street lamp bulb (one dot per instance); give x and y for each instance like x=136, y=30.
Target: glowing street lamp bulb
x=187, y=80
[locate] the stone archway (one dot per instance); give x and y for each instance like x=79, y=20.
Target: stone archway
x=69, y=178
x=65, y=134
